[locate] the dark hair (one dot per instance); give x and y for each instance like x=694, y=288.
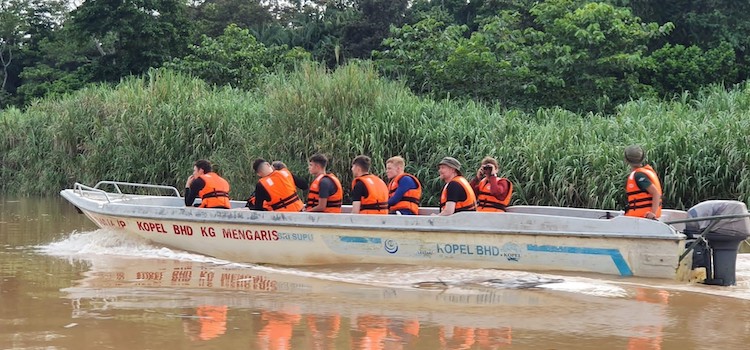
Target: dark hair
x=257, y=163
x=320, y=159
x=363, y=162
x=203, y=164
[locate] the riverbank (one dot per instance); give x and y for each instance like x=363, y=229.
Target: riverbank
x=151, y=129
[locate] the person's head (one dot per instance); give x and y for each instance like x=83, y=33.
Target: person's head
x=394, y=166
x=490, y=162
x=317, y=164
x=448, y=168
x=634, y=155
x=360, y=165
x=201, y=167
x=262, y=167
x=278, y=165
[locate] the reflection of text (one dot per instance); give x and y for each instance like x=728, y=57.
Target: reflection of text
x=242, y=281
x=149, y=276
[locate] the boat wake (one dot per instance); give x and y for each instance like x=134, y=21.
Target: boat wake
x=85, y=246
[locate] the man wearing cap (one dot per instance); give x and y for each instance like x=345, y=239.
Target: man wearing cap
x=642, y=186
x=457, y=194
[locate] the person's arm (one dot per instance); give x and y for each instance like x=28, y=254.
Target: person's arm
x=455, y=194
x=326, y=188
x=448, y=209
x=301, y=183
x=655, y=203
x=358, y=192
x=498, y=187
x=355, y=207
x=404, y=184
x=261, y=196
x=192, y=188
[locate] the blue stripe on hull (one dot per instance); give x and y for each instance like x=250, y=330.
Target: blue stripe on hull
x=354, y=239
x=617, y=258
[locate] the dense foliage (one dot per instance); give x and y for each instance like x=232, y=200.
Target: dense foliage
x=150, y=129
x=580, y=55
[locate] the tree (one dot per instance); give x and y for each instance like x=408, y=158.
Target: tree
x=62, y=65
x=23, y=25
x=578, y=55
x=212, y=16
x=236, y=58
x=674, y=69
x=707, y=24
x=132, y=35
x=367, y=31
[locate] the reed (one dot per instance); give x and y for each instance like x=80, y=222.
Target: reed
x=151, y=129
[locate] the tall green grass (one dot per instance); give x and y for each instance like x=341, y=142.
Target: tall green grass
x=151, y=129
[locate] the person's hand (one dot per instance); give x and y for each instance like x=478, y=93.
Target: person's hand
x=189, y=181
x=650, y=215
x=480, y=173
x=487, y=171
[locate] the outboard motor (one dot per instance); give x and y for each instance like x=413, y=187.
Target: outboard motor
x=727, y=224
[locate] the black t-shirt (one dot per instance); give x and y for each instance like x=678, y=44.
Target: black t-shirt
x=359, y=191
x=455, y=193
x=300, y=183
x=326, y=187
x=642, y=181
x=191, y=193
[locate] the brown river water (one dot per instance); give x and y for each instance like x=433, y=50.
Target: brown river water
x=64, y=284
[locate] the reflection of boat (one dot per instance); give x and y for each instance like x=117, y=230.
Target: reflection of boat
x=525, y=238
x=118, y=283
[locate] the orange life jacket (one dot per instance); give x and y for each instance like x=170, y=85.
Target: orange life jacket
x=410, y=200
x=376, y=201
x=283, y=192
x=215, y=194
x=468, y=204
x=639, y=201
x=486, y=201
x=334, y=200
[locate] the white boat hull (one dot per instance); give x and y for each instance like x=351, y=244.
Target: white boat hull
x=526, y=238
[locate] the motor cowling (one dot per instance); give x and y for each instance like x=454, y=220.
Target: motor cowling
x=727, y=224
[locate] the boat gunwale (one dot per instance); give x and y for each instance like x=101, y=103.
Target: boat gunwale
x=99, y=207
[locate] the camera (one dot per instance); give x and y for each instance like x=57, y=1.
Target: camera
x=487, y=167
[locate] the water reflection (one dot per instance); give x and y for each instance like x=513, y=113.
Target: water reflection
x=206, y=322
x=289, y=308
x=124, y=293
x=650, y=336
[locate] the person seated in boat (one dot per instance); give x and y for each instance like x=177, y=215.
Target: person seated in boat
x=301, y=183
x=275, y=191
x=642, y=186
x=493, y=193
x=208, y=186
x=457, y=195
x=404, y=190
x=369, y=193
x=326, y=193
